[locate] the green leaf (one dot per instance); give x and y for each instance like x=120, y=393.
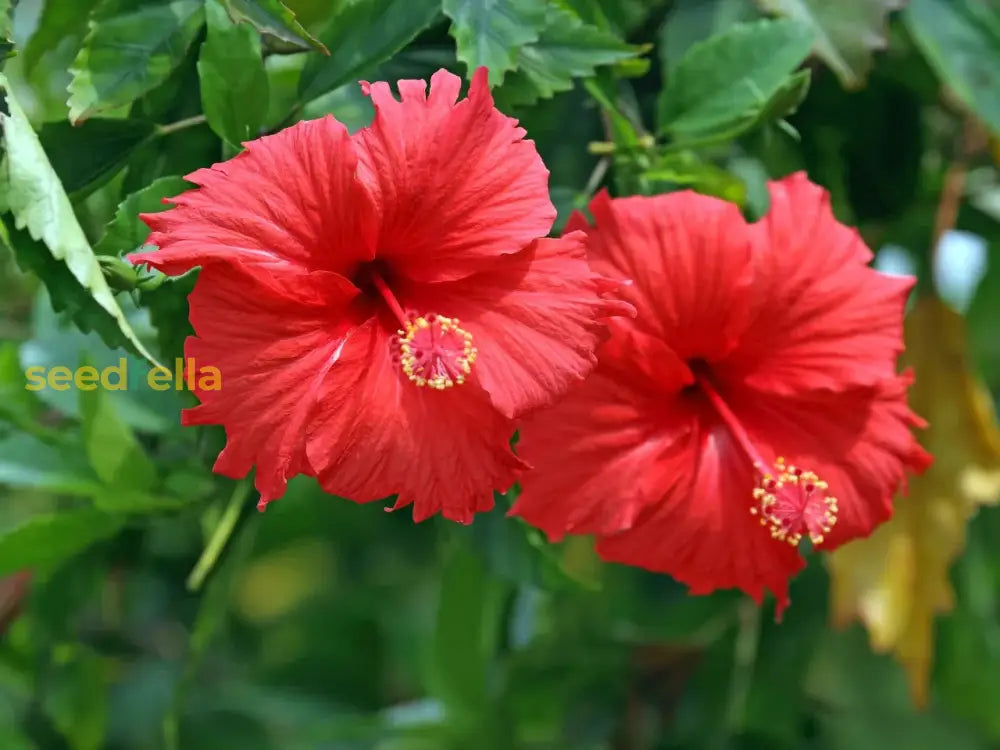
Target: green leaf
x=77, y=695
x=692, y=21
x=132, y=47
x=11, y=737
x=686, y=169
x=65, y=295
x=166, y=302
x=490, y=32
x=567, y=48
x=168, y=311
x=961, y=40
x=55, y=344
x=348, y=104
x=126, y=232
x=621, y=111
x=17, y=404
x=517, y=553
x=362, y=35
x=114, y=500
x=30, y=463
x=44, y=541
x=967, y=665
x=847, y=31
x=111, y=446
x=789, y=96
x=727, y=80
x=271, y=17
x=6, y=29
x=31, y=191
x=114, y=454
x=59, y=20
x=233, y=80
x=784, y=102
x=87, y=156
x=6, y=20
x=283, y=72
x=866, y=704
x=590, y=12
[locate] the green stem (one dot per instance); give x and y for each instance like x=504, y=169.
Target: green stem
x=213, y=609
x=220, y=537
x=600, y=169
x=720, y=137
x=170, y=732
x=35, y=429
x=184, y=124
x=744, y=660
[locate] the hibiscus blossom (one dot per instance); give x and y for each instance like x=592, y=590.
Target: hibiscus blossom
x=753, y=402
x=381, y=306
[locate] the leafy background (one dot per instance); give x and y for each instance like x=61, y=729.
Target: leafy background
x=144, y=604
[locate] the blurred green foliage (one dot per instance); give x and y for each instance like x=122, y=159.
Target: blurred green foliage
x=145, y=604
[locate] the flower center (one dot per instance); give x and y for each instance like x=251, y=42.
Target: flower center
x=791, y=501
x=435, y=352
x=431, y=349
x=794, y=502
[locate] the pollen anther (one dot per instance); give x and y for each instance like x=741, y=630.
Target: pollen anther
x=794, y=502
x=435, y=352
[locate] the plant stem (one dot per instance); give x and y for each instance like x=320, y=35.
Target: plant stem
x=744, y=661
x=220, y=537
x=188, y=122
x=600, y=169
x=970, y=141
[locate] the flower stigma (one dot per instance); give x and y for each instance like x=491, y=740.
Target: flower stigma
x=794, y=502
x=434, y=351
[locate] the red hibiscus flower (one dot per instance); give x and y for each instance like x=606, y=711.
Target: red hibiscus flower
x=753, y=402
x=381, y=306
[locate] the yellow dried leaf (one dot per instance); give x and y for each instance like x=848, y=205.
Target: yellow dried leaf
x=896, y=581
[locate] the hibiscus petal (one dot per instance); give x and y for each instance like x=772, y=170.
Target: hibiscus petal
x=636, y=456
x=821, y=318
x=536, y=318
x=272, y=337
x=457, y=184
x=800, y=213
x=377, y=434
x=602, y=455
x=703, y=533
x=688, y=257
x=292, y=198
x=859, y=441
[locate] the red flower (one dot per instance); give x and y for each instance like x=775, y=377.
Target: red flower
x=754, y=402
x=316, y=246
